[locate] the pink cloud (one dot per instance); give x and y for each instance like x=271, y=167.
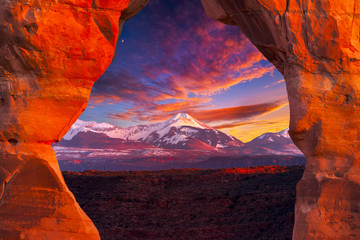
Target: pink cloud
x=191, y=64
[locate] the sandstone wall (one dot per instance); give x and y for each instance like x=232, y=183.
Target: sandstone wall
x=51, y=52
x=315, y=45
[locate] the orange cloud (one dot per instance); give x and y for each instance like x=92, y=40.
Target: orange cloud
x=183, y=69
x=273, y=121
x=119, y=116
x=275, y=83
x=158, y=112
x=240, y=112
x=238, y=124
x=230, y=117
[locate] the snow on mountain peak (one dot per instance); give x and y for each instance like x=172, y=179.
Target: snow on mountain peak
x=87, y=126
x=184, y=119
x=182, y=124
x=180, y=115
x=285, y=133
x=80, y=123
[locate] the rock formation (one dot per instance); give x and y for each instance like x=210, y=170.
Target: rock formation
x=315, y=45
x=51, y=52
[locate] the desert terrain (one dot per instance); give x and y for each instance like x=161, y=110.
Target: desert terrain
x=231, y=203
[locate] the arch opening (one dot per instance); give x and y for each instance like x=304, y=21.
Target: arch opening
x=187, y=64
x=190, y=53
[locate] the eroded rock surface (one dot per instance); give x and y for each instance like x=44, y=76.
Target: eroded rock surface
x=315, y=45
x=51, y=52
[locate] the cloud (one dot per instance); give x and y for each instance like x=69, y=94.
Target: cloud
x=238, y=124
x=275, y=83
x=208, y=57
x=225, y=117
x=240, y=112
x=119, y=116
x=123, y=86
x=157, y=112
x=180, y=60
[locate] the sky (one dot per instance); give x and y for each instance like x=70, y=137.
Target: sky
x=173, y=58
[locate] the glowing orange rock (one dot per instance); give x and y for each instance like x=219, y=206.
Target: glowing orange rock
x=51, y=54
x=315, y=45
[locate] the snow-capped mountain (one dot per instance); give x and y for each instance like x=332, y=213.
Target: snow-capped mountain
x=183, y=131
x=179, y=132
x=179, y=142
x=278, y=143
x=90, y=126
x=94, y=140
x=132, y=133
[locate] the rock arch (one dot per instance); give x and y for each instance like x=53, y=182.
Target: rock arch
x=53, y=50
x=315, y=45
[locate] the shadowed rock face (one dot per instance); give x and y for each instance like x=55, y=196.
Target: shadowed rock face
x=51, y=54
x=315, y=45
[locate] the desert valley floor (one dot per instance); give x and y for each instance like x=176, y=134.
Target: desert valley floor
x=234, y=203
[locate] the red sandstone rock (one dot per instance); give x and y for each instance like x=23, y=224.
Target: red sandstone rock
x=315, y=45
x=51, y=54
x=53, y=51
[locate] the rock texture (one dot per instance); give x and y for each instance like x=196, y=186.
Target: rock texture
x=315, y=45
x=51, y=52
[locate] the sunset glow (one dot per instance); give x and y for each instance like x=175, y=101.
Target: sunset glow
x=173, y=58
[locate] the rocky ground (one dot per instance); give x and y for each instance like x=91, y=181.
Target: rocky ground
x=237, y=203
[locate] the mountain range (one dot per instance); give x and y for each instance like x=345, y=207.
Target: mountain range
x=175, y=133
x=182, y=138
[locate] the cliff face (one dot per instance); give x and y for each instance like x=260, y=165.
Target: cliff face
x=51, y=54
x=315, y=45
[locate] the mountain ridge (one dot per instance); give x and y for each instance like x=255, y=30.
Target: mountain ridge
x=155, y=133
x=180, y=141
x=182, y=132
